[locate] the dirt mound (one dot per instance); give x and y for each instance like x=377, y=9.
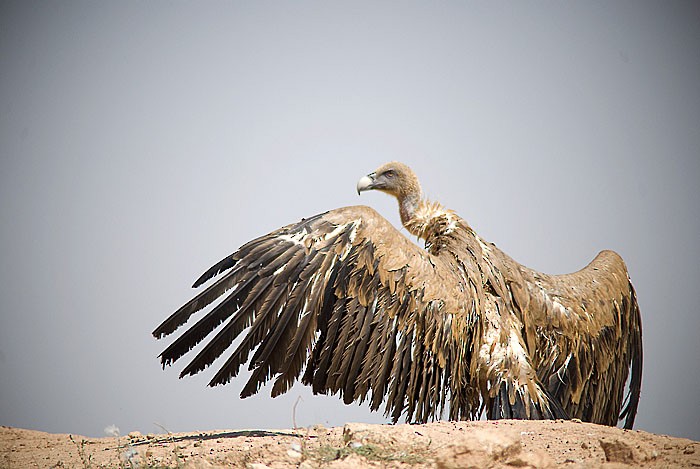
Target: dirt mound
x=495, y=444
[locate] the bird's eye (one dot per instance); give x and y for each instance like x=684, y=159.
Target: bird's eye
x=390, y=173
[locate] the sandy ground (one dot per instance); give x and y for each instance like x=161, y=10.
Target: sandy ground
x=495, y=444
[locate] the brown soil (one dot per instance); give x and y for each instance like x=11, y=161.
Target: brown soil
x=495, y=444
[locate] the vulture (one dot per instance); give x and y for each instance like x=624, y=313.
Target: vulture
x=348, y=304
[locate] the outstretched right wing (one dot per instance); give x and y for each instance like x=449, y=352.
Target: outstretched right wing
x=589, y=339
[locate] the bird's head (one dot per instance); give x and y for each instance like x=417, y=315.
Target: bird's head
x=398, y=180
x=394, y=178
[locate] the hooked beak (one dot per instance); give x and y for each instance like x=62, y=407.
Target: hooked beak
x=365, y=183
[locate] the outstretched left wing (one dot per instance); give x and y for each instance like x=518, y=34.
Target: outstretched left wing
x=347, y=295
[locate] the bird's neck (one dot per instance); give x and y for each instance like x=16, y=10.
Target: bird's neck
x=408, y=206
x=424, y=218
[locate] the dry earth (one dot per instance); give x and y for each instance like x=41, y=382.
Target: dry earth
x=495, y=444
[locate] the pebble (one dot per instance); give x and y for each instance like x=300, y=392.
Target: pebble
x=296, y=447
x=293, y=454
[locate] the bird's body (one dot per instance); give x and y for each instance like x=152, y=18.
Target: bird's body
x=459, y=324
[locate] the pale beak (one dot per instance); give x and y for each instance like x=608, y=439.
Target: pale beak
x=365, y=183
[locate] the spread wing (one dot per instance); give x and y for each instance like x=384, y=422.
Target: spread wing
x=584, y=334
x=346, y=295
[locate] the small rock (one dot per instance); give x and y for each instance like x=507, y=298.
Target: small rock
x=293, y=454
x=134, y=435
x=618, y=451
x=481, y=449
x=296, y=447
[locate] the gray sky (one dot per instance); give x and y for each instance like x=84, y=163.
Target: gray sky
x=143, y=141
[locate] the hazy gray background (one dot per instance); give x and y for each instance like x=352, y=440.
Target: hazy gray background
x=143, y=141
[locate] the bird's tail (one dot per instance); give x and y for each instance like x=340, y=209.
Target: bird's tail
x=506, y=404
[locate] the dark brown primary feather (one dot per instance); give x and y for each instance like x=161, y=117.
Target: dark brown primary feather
x=350, y=306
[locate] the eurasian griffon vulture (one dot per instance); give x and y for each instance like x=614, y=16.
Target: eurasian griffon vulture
x=370, y=315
